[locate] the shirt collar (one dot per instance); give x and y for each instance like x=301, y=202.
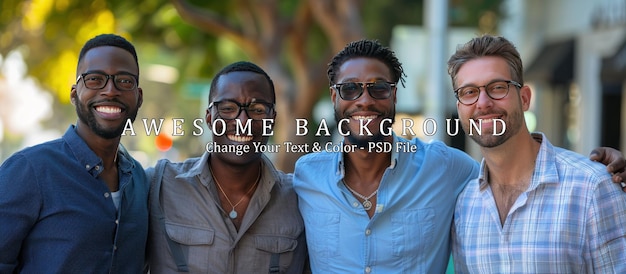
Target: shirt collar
x=89, y=159
x=340, y=171
x=545, y=166
x=201, y=169
x=545, y=170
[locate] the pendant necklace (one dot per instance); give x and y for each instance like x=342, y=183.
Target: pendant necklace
x=366, y=200
x=233, y=213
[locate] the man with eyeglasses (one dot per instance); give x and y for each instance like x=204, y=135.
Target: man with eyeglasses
x=79, y=204
x=534, y=207
x=228, y=212
x=379, y=212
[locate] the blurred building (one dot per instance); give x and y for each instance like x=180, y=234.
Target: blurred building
x=574, y=54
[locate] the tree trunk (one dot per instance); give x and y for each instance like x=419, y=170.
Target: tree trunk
x=271, y=40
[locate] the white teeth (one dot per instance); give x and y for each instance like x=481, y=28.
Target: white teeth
x=238, y=138
x=360, y=117
x=108, y=109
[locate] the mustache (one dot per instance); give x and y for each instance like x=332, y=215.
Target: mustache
x=500, y=112
x=350, y=112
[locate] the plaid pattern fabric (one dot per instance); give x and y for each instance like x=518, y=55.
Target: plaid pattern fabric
x=571, y=219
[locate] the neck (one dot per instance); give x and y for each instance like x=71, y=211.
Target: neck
x=513, y=162
x=235, y=178
x=106, y=149
x=363, y=167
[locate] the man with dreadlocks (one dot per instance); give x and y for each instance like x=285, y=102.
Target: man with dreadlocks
x=382, y=212
x=378, y=211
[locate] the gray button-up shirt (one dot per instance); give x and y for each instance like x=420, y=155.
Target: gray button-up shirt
x=189, y=228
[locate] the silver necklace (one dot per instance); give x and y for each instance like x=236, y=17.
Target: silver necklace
x=233, y=213
x=366, y=200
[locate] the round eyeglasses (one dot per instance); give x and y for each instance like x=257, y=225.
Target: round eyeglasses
x=99, y=80
x=350, y=91
x=496, y=90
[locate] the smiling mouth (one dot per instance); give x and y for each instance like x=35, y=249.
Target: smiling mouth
x=487, y=120
x=239, y=138
x=365, y=118
x=108, y=109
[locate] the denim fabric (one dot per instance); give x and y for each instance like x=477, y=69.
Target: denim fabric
x=57, y=216
x=410, y=230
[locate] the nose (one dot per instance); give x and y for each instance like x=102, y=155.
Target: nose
x=365, y=98
x=109, y=88
x=243, y=114
x=484, y=101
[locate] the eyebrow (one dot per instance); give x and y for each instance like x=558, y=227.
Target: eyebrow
x=102, y=71
x=490, y=82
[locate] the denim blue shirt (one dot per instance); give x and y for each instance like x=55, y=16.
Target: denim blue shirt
x=410, y=230
x=57, y=215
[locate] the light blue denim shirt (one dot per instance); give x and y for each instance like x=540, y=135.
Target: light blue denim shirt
x=410, y=231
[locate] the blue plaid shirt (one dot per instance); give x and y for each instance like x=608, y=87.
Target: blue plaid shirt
x=571, y=219
x=57, y=215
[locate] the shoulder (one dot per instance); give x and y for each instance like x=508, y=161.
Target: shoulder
x=179, y=167
x=570, y=163
x=435, y=148
x=39, y=153
x=316, y=157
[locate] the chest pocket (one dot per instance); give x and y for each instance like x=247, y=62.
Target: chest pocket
x=281, y=250
x=187, y=235
x=412, y=231
x=188, y=245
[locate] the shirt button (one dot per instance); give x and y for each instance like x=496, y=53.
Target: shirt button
x=368, y=270
x=106, y=195
x=368, y=232
x=355, y=204
x=114, y=247
x=117, y=222
x=87, y=166
x=97, y=167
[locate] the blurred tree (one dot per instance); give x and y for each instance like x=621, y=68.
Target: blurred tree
x=292, y=39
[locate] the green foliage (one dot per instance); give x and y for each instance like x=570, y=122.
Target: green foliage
x=50, y=33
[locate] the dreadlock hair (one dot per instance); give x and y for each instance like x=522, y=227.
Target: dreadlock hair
x=486, y=45
x=366, y=48
x=241, y=66
x=112, y=40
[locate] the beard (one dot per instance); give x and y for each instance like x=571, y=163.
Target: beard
x=360, y=140
x=513, y=124
x=85, y=114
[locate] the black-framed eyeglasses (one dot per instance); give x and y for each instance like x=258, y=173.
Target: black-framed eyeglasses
x=229, y=109
x=99, y=80
x=350, y=91
x=496, y=90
